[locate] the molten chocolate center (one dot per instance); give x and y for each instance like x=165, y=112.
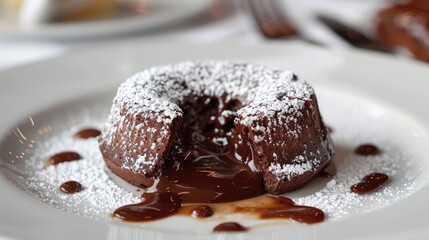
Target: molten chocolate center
x=207, y=164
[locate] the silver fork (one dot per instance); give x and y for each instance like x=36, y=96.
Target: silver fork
x=270, y=19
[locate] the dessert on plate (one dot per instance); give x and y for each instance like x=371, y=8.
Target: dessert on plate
x=215, y=131
x=405, y=26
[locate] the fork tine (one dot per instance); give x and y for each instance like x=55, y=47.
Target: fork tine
x=264, y=18
x=283, y=23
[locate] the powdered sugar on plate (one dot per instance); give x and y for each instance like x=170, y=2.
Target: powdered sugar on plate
x=100, y=195
x=356, y=122
x=353, y=121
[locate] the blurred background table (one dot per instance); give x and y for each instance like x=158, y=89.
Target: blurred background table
x=199, y=27
x=330, y=23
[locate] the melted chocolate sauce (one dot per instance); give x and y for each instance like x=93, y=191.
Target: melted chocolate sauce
x=87, y=133
x=281, y=207
x=202, y=211
x=71, y=187
x=370, y=183
x=229, y=227
x=204, y=167
x=63, y=157
x=208, y=165
x=367, y=150
x=154, y=206
x=207, y=178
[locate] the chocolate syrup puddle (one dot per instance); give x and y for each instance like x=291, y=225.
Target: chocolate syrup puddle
x=87, y=133
x=63, y=157
x=209, y=165
x=370, y=183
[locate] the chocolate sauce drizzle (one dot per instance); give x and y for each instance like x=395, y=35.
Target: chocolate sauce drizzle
x=370, y=183
x=154, y=206
x=281, y=207
x=87, y=133
x=367, y=150
x=71, y=187
x=63, y=157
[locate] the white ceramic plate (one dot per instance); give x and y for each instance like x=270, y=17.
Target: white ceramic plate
x=383, y=101
x=163, y=13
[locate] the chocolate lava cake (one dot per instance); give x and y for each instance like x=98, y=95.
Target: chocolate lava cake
x=405, y=26
x=267, y=119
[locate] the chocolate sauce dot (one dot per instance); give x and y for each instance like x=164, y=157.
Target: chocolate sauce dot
x=202, y=211
x=325, y=174
x=367, y=150
x=229, y=227
x=63, y=157
x=87, y=133
x=71, y=187
x=370, y=183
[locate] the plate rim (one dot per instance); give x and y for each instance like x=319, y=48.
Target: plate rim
x=108, y=27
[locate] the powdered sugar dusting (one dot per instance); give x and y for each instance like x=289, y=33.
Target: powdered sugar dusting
x=298, y=166
x=335, y=198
